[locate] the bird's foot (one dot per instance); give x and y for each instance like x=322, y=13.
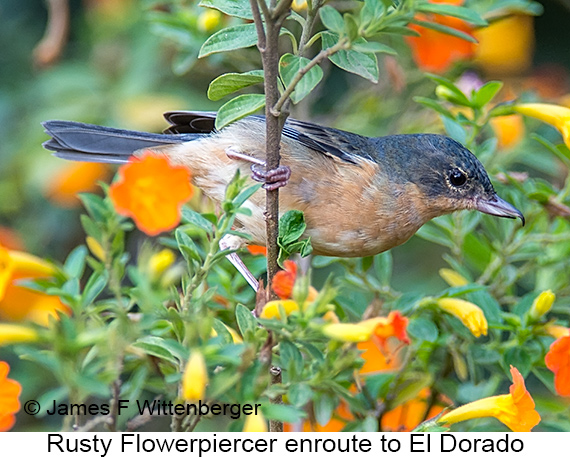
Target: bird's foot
x=272, y=179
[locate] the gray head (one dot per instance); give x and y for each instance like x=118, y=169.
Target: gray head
x=448, y=175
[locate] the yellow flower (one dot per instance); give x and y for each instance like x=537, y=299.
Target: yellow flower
x=209, y=20
x=255, y=423
x=159, y=262
x=299, y=5
x=349, y=333
x=557, y=331
x=12, y=333
x=195, y=377
x=557, y=116
x=515, y=410
x=18, y=302
x=96, y=248
x=452, y=278
x=379, y=328
x=542, y=304
x=506, y=45
x=469, y=314
x=271, y=309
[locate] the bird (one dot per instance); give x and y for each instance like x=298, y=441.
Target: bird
x=360, y=195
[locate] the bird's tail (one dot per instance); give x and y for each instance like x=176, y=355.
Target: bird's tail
x=94, y=143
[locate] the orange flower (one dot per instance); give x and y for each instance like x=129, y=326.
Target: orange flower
x=558, y=361
x=409, y=415
x=515, y=410
x=394, y=326
x=18, y=302
x=74, y=178
x=375, y=360
x=284, y=280
x=255, y=249
x=151, y=191
x=509, y=130
x=9, y=404
x=435, y=51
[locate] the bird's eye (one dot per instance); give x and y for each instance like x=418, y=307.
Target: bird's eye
x=457, y=177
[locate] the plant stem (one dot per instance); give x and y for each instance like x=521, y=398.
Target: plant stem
x=276, y=110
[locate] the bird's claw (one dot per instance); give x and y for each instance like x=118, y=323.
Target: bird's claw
x=272, y=179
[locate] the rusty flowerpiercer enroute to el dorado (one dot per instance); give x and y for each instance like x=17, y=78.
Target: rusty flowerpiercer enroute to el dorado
x=360, y=195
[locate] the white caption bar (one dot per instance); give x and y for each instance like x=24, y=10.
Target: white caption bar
x=283, y=444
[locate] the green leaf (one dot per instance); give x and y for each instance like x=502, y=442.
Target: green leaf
x=383, y=267
x=373, y=46
x=332, y=19
x=190, y=216
x=291, y=358
x=95, y=285
x=300, y=394
x=283, y=413
x=423, y=329
x=245, y=320
x=161, y=348
x=291, y=226
x=432, y=104
x=350, y=27
x=289, y=66
x=460, y=12
x=236, y=8
x=187, y=247
x=445, y=29
x=229, y=39
x=487, y=93
x=488, y=304
x=231, y=82
x=75, y=262
x=323, y=405
x=454, y=129
x=453, y=94
x=519, y=358
x=239, y=107
x=400, y=30
x=222, y=331
x=363, y=64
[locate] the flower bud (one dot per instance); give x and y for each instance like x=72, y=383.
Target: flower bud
x=541, y=305
x=195, y=377
x=255, y=423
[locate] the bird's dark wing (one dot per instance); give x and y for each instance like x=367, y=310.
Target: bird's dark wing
x=190, y=122
x=339, y=144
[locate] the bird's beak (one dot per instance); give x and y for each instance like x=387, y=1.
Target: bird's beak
x=496, y=206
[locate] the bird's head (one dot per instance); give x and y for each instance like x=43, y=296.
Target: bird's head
x=448, y=175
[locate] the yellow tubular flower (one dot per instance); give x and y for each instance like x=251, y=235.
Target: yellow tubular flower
x=12, y=334
x=542, y=304
x=255, y=423
x=452, y=278
x=195, y=378
x=469, y=314
x=555, y=115
x=95, y=248
x=557, y=331
x=515, y=410
x=348, y=333
x=159, y=262
x=271, y=309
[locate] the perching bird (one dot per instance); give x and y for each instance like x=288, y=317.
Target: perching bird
x=360, y=195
